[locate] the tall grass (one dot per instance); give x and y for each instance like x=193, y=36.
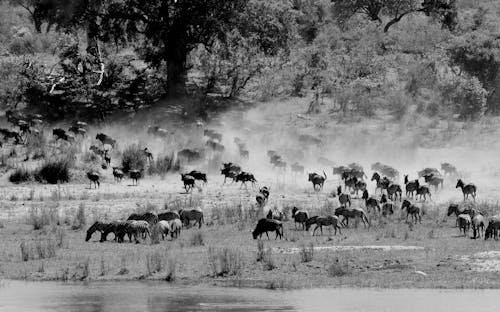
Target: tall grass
x=133, y=158
x=38, y=249
x=225, y=261
x=196, y=239
x=40, y=217
x=163, y=165
x=306, y=252
x=21, y=175
x=54, y=171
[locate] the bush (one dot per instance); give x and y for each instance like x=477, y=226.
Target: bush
x=133, y=158
x=466, y=96
x=163, y=165
x=21, y=175
x=54, y=172
x=39, y=249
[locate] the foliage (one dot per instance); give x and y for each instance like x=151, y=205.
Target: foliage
x=54, y=171
x=21, y=175
x=466, y=96
x=133, y=158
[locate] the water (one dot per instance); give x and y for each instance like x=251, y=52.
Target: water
x=156, y=297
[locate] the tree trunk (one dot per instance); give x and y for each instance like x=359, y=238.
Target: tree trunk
x=176, y=72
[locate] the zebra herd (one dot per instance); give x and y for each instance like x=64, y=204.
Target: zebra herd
x=138, y=227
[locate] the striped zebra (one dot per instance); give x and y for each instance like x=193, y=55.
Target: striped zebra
x=150, y=217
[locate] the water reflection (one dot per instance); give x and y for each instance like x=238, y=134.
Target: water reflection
x=157, y=297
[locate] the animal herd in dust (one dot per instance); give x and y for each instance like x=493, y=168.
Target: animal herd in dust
x=352, y=181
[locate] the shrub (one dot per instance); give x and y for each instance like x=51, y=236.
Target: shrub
x=133, y=158
x=163, y=165
x=39, y=249
x=54, y=172
x=21, y=175
x=306, y=252
x=196, y=239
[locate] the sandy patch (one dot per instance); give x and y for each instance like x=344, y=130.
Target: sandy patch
x=345, y=248
x=487, y=261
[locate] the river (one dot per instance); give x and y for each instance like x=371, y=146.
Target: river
x=161, y=297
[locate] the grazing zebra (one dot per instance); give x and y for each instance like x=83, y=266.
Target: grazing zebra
x=352, y=213
x=464, y=222
x=136, y=228
x=168, y=215
x=414, y=211
x=196, y=215
x=175, y=226
x=149, y=217
x=457, y=210
x=300, y=216
x=97, y=227
x=325, y=221
x=118, y=228
x=467, y=189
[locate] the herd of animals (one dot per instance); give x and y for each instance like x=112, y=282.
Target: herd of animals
x=352, y=178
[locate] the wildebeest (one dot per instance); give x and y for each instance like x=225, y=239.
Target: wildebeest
x=245, y=177
x=352, y=213
x=195, y=215
x=411, y=186
x=191, y=155
x=61, y=134
x=434, y=180
x=11, y=134
x=464, y=223
x=94, y=178
x=325, y=221
x=469, y=189
x=299, y=216
x=308, y=139
x=212, y=134
x=198, y=175
x=157, y=131
x=117, y=174
x=232, y=167
x=228, y=173
x=427, y=171
x=423, y=191
x=77, y=131
x=449, y=169
x=148, y=154
x=215, y=146
x=268, y=225
x=316, y=179
x=105, y=139
x=370, y=202
x=188, y=181
x=168, y=215
x=149, y=217
x=275, y=214
x=344, y=199
x=135, y=175
x=411, y=209
x=385, y=170
x=492, y=228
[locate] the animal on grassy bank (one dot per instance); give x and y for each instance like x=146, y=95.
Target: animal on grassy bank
x=370, y=202
x=478, y=223
x=413, y=210
x=423, y=191
x=97, y=227
x=188, y=182
x=492, y=228
x=458, y=210
x=321, y=221
x=245, y=177
x=344, y=199
x=411, y=186
x=355, y=212
x=195, y=215
x=317, y=180
x=118, y=174
x=464, y=223
x=135, y=175
x=198, y=175
x=138, y=228
x=268, y=225
x=299, y=216
x=105, y=139
x=150, y=217
x=467, y=189
x=168, y=215
x=94, y=178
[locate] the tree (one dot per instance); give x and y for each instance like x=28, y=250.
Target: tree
x=395, y=10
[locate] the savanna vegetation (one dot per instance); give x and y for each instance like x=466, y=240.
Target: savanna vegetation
x=94, y=59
